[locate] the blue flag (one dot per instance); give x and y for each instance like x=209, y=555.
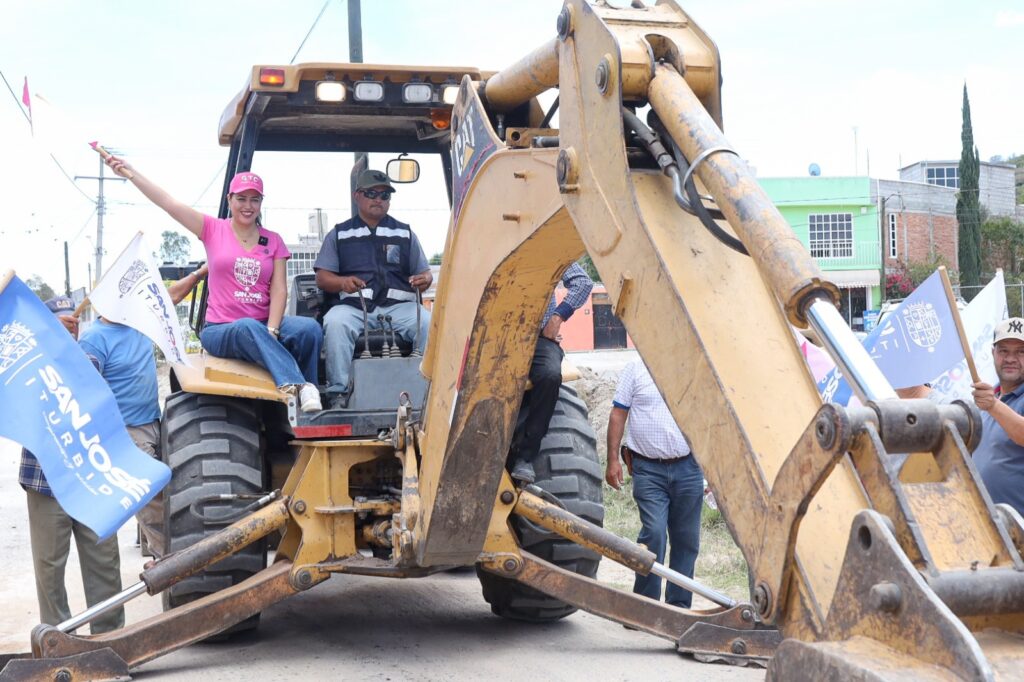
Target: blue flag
x=916, y=343
x=57, y=406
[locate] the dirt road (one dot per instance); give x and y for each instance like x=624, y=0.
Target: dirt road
x=437, y=628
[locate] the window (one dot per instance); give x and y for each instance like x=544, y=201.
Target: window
x=943, y=176
x=301, y=262
x=831, y=235
x=892, y=235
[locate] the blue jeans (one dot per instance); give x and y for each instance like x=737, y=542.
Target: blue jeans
x=292, y=359
x=669, y=497
x=342, y=325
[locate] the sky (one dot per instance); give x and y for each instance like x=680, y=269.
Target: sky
x=855, y=87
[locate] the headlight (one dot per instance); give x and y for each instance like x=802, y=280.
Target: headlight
x=369, y=91
x=449, y=93
x=330, y=91
x=417, y=93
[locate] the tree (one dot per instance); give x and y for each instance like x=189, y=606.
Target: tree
x=174, y=248
x=435, y=259
x=40, y=288
x=1002, y=240
x=588, y=264
x=968, y=212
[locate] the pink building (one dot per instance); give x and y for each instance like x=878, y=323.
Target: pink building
x=594, y=326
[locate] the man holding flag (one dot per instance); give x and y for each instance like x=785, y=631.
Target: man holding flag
x=124, y=358
x=915, y=344
x=50, y=532
x=1000, y=455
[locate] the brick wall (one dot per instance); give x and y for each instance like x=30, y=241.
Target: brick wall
x=920, y=235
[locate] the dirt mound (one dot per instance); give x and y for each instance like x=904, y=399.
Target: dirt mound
x=596, y=390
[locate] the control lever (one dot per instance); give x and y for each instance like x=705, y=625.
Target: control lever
x=396, y=352
x=366, y=329
x=385, y=349
x=416, y=338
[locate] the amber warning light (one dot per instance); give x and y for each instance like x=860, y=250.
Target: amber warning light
x=441, y=118
x=271, y=76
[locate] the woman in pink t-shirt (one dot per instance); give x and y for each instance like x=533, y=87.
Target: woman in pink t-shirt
x=247, y=286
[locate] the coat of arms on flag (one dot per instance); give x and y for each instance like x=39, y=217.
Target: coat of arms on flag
x=16, y=340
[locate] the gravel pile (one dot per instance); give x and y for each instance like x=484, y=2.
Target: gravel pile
x=596, y=390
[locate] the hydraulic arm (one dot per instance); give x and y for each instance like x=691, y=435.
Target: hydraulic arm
x=856, y=524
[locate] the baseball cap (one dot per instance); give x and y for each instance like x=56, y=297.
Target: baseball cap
x=374, y=178
x=59, y=305
x=244, y=181
x=1012, y=328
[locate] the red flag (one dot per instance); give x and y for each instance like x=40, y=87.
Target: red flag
x=28, y=104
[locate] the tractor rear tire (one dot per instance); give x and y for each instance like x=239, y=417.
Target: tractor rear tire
x=212, y=445
x=568, y=468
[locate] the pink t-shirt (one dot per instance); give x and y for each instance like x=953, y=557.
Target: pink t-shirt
x=239, y=280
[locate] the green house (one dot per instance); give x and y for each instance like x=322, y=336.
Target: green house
x=837, y=220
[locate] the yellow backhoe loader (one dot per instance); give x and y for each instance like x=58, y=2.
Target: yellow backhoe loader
x=874, y=551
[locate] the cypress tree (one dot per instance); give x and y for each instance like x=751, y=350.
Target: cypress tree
x=968, y=211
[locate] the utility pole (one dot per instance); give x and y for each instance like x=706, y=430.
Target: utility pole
x=101, y=209
x=355, y=32
x=355, y=56
x=67, y=272
x=856, y=153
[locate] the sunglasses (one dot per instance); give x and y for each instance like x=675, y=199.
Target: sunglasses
x=385, y=195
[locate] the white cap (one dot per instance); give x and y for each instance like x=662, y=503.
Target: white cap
x=1012, y=328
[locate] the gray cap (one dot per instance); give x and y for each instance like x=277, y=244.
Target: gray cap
x=59, y=305
x=374, y=178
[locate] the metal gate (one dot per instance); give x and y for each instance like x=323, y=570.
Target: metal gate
x=609, y=331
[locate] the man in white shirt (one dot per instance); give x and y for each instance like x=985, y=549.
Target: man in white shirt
x=668, y=484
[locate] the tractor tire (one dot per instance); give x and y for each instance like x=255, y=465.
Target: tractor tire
x=568, y=468
x=213, y=446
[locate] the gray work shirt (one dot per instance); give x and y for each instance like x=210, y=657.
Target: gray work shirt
x=999, y=460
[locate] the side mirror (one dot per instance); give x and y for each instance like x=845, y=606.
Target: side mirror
x=403, y=170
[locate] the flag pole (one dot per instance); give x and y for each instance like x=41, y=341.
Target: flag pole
x=6, y=279
x=81, y=307
x=955, y=312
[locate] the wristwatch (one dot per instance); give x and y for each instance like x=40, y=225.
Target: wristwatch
x=274, y=330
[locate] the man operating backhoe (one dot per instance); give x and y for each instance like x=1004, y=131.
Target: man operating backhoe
x=378, y=258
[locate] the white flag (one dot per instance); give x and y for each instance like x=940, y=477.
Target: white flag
x=980, y=318
x=133, y=294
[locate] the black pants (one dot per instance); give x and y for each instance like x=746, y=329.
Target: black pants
x=539, y=403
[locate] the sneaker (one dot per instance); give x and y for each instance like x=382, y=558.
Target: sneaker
x=309, y=398
x=523, y=472
x=338, y=401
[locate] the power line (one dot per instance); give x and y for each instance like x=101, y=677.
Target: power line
x=84, y=225
x=216, y=175
x=310, y=31
x=16, y=100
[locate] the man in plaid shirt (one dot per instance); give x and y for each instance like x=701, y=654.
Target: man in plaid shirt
x=668, y=485
x=546, y=373
x=51, y=529
x=124, y=357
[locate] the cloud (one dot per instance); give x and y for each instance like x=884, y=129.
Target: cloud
x=1009, y=18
